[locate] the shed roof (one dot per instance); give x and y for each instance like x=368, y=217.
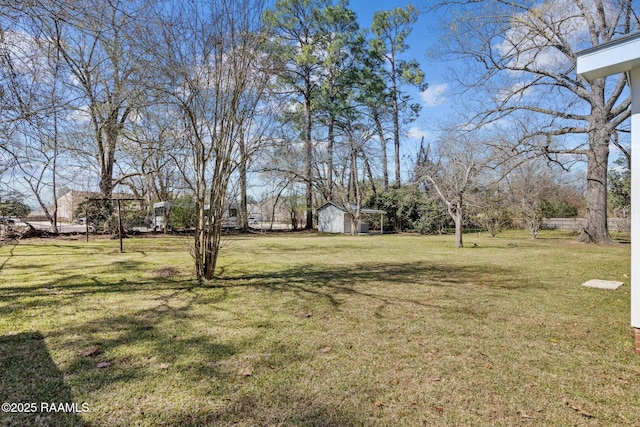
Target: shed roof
x=353, y=205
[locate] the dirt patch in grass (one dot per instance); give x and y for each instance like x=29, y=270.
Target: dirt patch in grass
x=166, y=271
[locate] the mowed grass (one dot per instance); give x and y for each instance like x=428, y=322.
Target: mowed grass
x=319, y=330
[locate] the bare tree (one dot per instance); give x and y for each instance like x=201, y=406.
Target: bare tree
x=522, y=58
x=33, y=112
x=526, y=186
x=208, y=58
x=97, y=41
x=452, y=172
x=490, y=209
x=353, y=171
x=254, y=138
x=148, y=149
x=535, y=190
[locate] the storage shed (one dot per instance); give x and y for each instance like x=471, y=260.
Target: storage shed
x=334, y=218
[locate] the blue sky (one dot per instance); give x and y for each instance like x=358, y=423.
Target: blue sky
x=439, y=99
x=434, y=101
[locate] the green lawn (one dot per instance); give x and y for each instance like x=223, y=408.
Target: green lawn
x=319, y=331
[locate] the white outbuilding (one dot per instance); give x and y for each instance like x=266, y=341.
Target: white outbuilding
x=334, y=218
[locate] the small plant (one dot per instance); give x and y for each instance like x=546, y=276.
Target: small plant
x=530, y=218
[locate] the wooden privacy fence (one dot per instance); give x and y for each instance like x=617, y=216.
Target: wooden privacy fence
x=614, y=223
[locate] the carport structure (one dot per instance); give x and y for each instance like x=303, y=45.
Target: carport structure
x=623, y=56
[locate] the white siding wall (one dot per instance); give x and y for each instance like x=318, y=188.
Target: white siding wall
x=65, y=207
x=331, y=220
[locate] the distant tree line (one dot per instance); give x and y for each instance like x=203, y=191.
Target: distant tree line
x=173, y=99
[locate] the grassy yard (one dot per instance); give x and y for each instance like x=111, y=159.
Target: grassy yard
x=319, y=331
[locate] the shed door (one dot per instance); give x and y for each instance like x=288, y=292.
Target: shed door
x=347, y=224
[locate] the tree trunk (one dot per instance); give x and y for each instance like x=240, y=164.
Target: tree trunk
x=309, y=156
x=330, y=146
x=458, y=222
x=106, y=151
x=106, y=180
x=367, y=166
x=396, y=130
x=457, y=219
x=212, y=246
x=54, y=174
x=357, y=198
x=455, y=213
x=244, y=158
x=596, y=229
x=199, y=240
x=383, y=149
x=244, y=209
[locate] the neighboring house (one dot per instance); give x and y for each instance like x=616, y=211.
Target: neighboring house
x=333, y=218
x=69, y=202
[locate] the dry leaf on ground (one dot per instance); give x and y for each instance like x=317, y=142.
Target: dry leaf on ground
x=91, y=351
x=579, y=410
x=245, y=372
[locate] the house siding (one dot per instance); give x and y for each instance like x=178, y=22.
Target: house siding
x=69, y=202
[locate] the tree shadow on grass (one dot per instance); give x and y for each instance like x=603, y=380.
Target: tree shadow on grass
x=172, y=347
x=279, y=408
x=70, y=283
x=10, y=255
x=28, y=376
x=377, y=279
x=367, y=279
x=164, y=328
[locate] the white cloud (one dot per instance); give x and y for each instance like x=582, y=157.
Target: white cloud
x=517, y=91
x=28, y=59
x=434, y=95
x=532, y=42
x=416, y=132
